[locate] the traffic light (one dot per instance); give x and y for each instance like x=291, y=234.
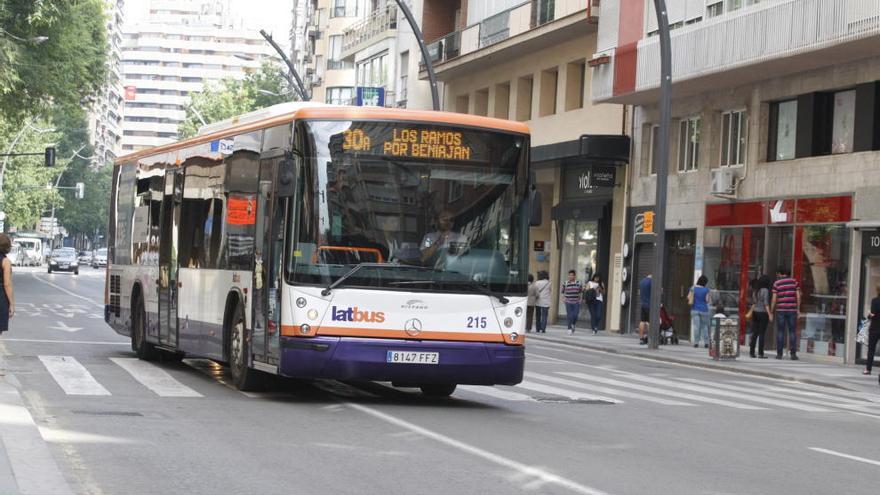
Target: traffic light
x=80, y=190
x=50, y=156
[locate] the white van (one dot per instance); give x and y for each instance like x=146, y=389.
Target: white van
x=32, y=250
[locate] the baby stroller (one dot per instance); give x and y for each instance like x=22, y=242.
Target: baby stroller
x=667, y=333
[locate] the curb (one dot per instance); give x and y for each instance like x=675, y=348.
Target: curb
x=697, y=364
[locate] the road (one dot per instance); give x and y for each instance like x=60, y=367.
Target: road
x=582, y=422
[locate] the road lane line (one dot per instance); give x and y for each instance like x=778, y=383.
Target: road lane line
x=155, y=378
x=668, y=393
x=521, y=469
x=62, y=289
x=846, y=456
x=571, y=394
x=722, y=393
x=607, y=390
x=495, y=392
x=72, y=377
x=66, y=342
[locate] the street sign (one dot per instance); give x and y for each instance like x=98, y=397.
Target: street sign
x=370, y=97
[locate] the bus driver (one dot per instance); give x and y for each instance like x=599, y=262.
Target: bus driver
x=443, y=238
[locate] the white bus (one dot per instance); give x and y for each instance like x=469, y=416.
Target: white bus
x=331, y=242
x=32, y=250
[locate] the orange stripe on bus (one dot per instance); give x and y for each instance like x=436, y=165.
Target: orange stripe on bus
x=384, y=333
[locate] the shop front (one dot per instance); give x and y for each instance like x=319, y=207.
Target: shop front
x=808, y=237
x=869, y=283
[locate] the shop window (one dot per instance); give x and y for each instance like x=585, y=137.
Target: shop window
x=844, y=114
x=783, y=126
x=825, y=261
x=722, y=253
x=689, y=144
x=733, y=138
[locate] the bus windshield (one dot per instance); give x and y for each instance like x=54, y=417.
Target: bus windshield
x=397, y=195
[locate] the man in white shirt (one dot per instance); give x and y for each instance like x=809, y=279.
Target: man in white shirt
x=443, y=238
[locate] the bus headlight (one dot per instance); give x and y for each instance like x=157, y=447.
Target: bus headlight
x=518, y=311
x=312, y=314
x=508, y=322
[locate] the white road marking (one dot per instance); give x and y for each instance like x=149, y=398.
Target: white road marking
x=495, y=392
x=64, y=328
x=62, y=289
x=521, y=469
x=668, y=393
x=46, y=341
x=846, y=456
x=783, y=393
x=722, y=393
x=606, y=390
x=571, y=394
x=155, y=378
x=72, y=377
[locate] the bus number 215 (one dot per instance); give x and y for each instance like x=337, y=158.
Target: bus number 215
x=476, y=322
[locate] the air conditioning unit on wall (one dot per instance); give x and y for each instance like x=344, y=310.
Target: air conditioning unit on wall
x=724, y=181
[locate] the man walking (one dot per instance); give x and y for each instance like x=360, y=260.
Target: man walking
x=645, y=305
x=785, y=306
x=571, y=295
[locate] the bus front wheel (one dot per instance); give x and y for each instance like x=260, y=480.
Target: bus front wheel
x=438, y=390
x=244, y=377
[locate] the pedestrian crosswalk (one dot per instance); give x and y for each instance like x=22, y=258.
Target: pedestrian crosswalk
x=201, y=378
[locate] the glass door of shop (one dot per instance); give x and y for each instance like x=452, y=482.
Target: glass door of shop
x=580, y=245
x=679, y=279
x=870, y=282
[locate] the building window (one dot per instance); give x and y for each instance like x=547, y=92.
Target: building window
x=783, y=127
x=652, y=149
x=734, y=125
x=502, y=100
x=549, y=83
x=373, y=72
x=344, y=8
x=688, y=144
x=843, y=121
x=575, y=85
x=462, y=104
x=524, y=98
x=546, y=11
x=404, y=76
x=334, y=58
x=340, y=96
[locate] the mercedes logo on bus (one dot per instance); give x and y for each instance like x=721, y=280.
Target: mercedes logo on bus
x=412, y=327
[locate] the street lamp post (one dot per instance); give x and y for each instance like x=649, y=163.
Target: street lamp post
x=662, y=159
x=299, y=86
x=426, y=57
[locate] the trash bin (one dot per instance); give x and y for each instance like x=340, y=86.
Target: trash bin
x=724, y=341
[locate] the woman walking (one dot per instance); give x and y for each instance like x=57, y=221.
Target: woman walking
x=531, y=297
x=595, y=297
x=7, y=301
x=542, y=301
x=571, y=295
x=873, y=332
x=698, y=299
x=760, y=315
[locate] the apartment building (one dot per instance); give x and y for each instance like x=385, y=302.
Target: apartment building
x=175, y=48
x=774, y=143
x=527, y=61
x=105, y=117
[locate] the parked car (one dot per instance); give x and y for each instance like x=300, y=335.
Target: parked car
x=64, y=260
x=100, y=258
x=16, y=255
x=85, y=258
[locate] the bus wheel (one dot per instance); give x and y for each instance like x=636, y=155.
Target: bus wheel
x=244, y=377
x=139, y=344
x=438, y=390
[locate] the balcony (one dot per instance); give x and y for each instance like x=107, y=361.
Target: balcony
x=771, y=39
x=381, y=24
x=509, y=34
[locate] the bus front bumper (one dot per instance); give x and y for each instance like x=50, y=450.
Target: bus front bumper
x=355, y=358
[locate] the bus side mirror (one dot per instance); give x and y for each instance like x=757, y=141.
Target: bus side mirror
x=536, y=214
x=288, y=170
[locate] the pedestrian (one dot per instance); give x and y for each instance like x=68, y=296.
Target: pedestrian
x=542, y=301
x=531, y=297
x=698, y=299
x=785, y=305
x=760, y=315
x=873, y=332
x=595, y=297
x=7, y=300
x=572, y=290
x=645, y=308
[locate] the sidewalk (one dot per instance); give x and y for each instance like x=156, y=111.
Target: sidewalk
x=809, y=369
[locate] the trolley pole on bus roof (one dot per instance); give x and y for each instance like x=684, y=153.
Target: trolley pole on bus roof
x=426, y=57
x=662, y=159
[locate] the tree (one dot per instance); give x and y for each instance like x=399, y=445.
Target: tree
x=64, y=70
x=231, y=97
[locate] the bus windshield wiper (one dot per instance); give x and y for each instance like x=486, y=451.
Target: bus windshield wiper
x=485, y=290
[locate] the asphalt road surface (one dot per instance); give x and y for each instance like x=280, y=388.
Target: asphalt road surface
x=581, y=422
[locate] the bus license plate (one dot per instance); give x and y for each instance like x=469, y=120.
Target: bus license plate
x=409, y=357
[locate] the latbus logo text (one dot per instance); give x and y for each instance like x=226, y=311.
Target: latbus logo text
x=357, y=315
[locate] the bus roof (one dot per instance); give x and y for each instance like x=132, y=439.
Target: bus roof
x=330, y=112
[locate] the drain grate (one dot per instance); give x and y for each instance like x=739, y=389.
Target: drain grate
x=109, y=413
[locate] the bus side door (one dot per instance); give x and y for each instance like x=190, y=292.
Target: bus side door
x=168, y=246
x=267, y=264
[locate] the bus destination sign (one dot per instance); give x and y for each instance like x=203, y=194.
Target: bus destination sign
x=411, y=143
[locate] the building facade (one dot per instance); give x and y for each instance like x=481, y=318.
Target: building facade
x=105, y=117
x=774, y=137
x=527, y=61
x=175, y=49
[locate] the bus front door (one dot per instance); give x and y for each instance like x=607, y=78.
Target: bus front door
x=267, y=266
x=168, y=246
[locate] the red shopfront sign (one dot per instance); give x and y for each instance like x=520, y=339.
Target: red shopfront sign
x=835, y=209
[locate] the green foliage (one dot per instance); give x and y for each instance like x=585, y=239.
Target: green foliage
x=64, y=70
x=230, y=97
